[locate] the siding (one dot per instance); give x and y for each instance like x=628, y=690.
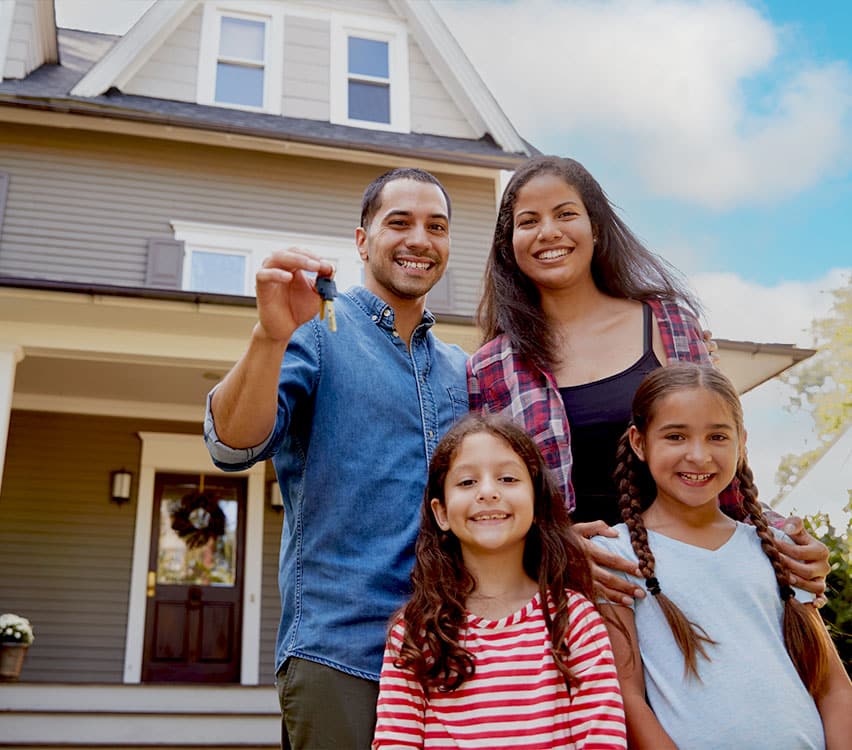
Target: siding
x=270, y=608
x=65, y=549
x=172, y=71
x=28, y=48
x=81, y=207
x=306, y=90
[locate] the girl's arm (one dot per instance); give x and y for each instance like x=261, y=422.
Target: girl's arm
x=643, y=729
x=401, y=707
x=834, y=703
x=597, y=711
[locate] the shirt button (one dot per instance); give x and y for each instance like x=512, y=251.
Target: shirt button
x=396, y=335
x=431, y=434
x=374, y=317
x=386, y=312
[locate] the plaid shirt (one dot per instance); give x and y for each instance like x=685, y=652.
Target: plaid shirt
x=500, y=382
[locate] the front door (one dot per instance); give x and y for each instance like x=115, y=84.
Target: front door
x=195, y=579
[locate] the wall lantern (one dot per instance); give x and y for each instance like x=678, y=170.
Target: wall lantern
x=274, y=491
x=120, y=482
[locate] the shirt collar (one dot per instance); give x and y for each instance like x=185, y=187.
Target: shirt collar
x=380, y=312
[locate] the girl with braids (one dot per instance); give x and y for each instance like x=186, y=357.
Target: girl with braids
x=499, y=645
x=724, y=653
x=575, y=312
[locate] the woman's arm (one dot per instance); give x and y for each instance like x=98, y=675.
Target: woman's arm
x=834, y=702
x=401, y=708
x=643, y=729
x=608, y=584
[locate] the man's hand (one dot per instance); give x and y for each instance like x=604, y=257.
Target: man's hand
x=806, y=558
x=286, y=297
x=602, y=562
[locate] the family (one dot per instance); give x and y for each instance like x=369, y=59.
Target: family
x=554, y=543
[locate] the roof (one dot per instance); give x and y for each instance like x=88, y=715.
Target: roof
x=91, y=65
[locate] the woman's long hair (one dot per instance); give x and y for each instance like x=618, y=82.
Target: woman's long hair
x=805, y=637
x=435, y=615
x=621, y=265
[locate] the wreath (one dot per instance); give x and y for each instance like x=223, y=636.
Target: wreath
x=197, y=518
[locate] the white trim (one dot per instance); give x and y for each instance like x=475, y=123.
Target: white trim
x=103, y=407
x=396, y=35
x=186, y=453
x=10, y=355
x=135, y=48
x=7, y=20
x=457, y=74
x=272, y=15
x=257, y=244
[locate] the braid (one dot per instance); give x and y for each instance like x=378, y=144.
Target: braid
x=805, y=636
x=689, y=636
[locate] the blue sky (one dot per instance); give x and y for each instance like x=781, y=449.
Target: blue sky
x=721, y=128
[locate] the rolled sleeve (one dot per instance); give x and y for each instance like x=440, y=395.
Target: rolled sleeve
x=224, y=456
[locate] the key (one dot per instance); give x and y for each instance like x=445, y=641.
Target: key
x=327, y=290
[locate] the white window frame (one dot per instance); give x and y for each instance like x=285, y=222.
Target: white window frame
x=378, y=29
x=272, y=15
x=257, y=244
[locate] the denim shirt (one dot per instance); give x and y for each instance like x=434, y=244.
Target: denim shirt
x=359, y=416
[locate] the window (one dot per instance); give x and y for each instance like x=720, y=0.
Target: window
x=240, y=56
x=224, y=259
x=369, y=74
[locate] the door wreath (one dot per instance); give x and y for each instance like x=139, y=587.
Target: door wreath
x=197, y=518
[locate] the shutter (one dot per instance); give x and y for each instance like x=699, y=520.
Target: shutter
x=165, y=263
x=4, y=191
x=440, y=298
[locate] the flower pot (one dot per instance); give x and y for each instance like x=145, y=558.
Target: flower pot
x=11, y=660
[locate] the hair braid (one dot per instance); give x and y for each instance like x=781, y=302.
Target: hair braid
x=805, y=636
x=689, y=636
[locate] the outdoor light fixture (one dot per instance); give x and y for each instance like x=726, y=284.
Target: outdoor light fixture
x=274, y=491
x=120, y=485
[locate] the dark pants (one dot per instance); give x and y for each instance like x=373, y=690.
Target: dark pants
x=325, y=709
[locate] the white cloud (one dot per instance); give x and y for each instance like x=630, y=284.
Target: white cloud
x=662, y=82
x=782, y=314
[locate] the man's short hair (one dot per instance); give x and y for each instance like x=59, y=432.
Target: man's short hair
x=372, y=195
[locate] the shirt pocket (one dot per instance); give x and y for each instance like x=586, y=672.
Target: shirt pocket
x=459, y=401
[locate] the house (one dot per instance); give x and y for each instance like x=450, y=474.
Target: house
x=142, y=181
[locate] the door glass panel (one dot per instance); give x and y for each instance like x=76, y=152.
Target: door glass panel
x=198, y=536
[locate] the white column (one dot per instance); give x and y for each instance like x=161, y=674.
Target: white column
x=10, y=355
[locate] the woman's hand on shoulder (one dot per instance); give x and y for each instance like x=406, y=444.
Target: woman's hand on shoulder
x=806, y=558
x=603, y=562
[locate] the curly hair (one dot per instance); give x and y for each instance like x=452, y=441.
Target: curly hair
x=805, y=637
x=435, y=615
x=621, y=265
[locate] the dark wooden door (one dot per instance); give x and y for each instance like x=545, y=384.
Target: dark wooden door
x=195, y=580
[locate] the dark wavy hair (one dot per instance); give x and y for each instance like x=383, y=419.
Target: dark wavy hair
x=373, y=192
x=805, y=636
x=553, y=556
x=621, y=265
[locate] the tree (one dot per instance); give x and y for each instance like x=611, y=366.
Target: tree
x=823, y=384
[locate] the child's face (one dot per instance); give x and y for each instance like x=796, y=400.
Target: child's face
x=691, y=446
x=488, y=497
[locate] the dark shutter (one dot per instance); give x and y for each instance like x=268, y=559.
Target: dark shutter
x=165, y=263
x=4, y=191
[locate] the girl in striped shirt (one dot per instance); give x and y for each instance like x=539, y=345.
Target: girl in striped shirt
x=499, y=645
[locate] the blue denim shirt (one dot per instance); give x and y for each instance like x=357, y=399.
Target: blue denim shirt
x=359, y=415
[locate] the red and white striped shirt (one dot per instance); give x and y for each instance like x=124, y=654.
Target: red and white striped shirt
x=517, y=697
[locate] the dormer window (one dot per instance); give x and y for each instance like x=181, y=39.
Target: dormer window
x=369, y=74
x=240, y=59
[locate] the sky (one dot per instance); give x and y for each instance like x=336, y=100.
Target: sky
x=722, y=129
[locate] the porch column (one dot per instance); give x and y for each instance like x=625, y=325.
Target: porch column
x=10, y=355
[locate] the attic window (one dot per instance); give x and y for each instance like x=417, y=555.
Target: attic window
x=369, y=74
x=240, y=56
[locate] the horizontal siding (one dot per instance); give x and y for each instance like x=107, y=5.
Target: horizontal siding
x=81, y=207
x=270, y=607
x=20, y=50
x=172, y=71
x=65, y=549
x=432, y=108
x=306, y=88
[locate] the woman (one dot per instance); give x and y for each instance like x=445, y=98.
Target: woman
x=575, y=312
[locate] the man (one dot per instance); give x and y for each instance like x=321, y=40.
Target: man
x=350, y=419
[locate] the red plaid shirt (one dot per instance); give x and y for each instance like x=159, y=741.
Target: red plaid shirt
x=500, y=382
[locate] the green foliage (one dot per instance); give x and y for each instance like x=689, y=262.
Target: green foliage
x=837, y=614
x=823, y=385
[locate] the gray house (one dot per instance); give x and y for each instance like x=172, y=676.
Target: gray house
x=142, y=181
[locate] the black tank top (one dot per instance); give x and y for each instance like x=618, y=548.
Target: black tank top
x=598, y=414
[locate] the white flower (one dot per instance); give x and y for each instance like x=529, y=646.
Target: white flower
x=15, y=629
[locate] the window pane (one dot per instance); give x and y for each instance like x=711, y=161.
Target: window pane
x=236, y=84
x=368, y=57
x=197, y=545
x=369, y=101
x=242, y=39
x=217, y=272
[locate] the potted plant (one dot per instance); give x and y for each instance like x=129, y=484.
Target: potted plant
x=16, y=635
